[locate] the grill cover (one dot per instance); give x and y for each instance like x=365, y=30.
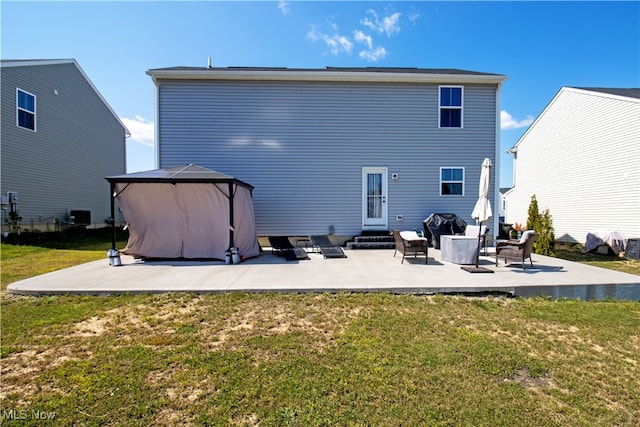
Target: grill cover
x=439, y=224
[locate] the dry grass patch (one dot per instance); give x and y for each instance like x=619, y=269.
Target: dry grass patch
x=346, y=359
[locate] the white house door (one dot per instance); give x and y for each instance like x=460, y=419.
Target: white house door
x=374, y=199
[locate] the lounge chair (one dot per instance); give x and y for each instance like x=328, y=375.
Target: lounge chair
x=327, y=249
x=409, y=243
x=518, y=250
x=281, y=246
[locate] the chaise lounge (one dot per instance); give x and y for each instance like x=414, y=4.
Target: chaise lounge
x=281, y=246
x=326, y=247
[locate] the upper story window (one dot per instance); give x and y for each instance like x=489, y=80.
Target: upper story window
x=26, y=109
x=451, y=98
x=452, y=181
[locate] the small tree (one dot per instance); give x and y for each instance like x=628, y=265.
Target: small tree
x=542, y=224
x=533, y=218
x=545, y=244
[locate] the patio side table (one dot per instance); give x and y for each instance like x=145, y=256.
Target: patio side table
x=458, y=249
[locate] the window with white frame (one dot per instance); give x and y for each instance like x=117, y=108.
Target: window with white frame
x=452, y=181
x=26, y=109
x=451, y=100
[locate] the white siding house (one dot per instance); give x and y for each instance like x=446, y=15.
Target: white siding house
x=581, y=159
x=335, y=150
x=60, y=139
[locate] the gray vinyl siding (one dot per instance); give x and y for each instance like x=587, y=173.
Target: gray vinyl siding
x=303, y=146
x=78, y=141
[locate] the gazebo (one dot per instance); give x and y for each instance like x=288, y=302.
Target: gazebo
x=185, y=212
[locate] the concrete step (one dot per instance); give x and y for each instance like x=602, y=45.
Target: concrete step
x=367, y=239
x=371, y=245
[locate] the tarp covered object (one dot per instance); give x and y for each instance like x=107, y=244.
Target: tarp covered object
x=614, y=239
x=438, y=224
x=186, y=212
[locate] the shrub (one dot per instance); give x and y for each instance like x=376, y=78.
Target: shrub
x=533, y=217
x=543, y=225
x=545, y=244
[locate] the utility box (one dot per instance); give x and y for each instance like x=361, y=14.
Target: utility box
x=633, y=249
x=81, y=217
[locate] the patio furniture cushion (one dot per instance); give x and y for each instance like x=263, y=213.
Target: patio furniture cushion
x=409, y=243
x=472, y=231
x=517, y=250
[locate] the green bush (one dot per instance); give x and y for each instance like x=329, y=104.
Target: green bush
x=542, y=223
x=533, y=217
x=63, y=239
x=545, y=244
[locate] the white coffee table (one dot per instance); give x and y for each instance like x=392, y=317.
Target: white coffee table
x=458, y=249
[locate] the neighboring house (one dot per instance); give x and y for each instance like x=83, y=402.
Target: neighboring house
x=59, y=140
x=581, y=159
x=335, y=150
x=501, y=210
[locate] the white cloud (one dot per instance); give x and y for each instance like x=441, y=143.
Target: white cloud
x=372, y=55
x=507, y=122
x=141, y=130
x=284, y=6
x=335, y=42
x=389, y=24
x=361, y=37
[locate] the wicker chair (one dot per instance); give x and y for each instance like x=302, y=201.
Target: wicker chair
x=410, y=247
x=518, y=250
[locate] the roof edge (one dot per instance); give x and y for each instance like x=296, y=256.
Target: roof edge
x=36, y=62
x=33, y=62
x=623, y=94
x=580, y=90
x=378, y=75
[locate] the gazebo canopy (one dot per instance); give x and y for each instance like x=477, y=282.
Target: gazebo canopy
x=185, y=212
x=189, y=173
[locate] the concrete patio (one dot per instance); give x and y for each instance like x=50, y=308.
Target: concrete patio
x=362, y=271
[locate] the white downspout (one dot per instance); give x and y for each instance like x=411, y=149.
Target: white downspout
x=496, y=183
x=156, y=127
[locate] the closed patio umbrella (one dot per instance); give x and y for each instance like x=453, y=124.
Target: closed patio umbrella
x=482, y=211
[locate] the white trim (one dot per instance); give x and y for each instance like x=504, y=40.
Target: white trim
x=497, y=196
x=440, y=181
x=440, y=107
x=601, y=94
x=34, y=112
x=383, y=224
x=156, y=128
x=322, y=75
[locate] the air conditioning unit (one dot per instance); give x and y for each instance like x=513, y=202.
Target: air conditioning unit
x=633, y=249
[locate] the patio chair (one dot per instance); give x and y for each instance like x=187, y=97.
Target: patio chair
x=326, y=247
x=518, y=250
x=409, y=245
x=281, y=246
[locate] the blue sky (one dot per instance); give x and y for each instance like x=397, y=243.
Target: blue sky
x=541, y=46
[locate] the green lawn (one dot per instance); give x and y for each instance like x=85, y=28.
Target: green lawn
x=612, y=262
x=327, y=359
x=311, y=359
